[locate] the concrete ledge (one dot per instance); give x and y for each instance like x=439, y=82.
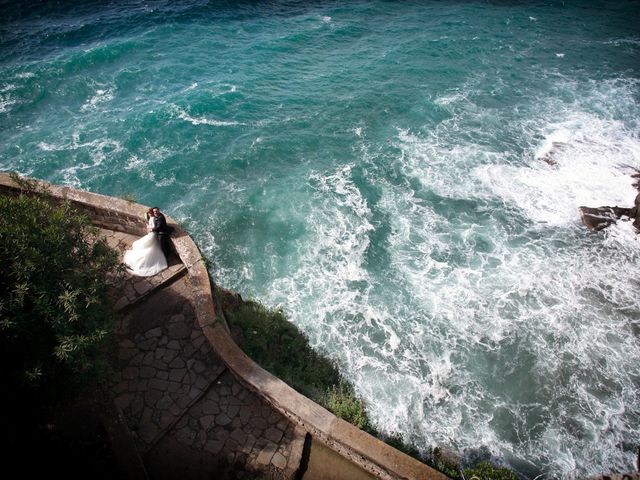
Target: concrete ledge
x=366, y=451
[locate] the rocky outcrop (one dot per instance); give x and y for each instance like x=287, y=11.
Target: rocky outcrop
x=598, y=218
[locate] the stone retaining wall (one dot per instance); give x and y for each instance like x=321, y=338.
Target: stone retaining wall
x=105, y=212
x=366, y=451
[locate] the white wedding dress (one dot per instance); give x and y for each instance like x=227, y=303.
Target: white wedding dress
x=145, y=257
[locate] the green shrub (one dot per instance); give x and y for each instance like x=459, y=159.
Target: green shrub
x=128, y=197
x=486, y=471
x=444, y=462
x=55, y=312
x=281, y=348
x=342, y=401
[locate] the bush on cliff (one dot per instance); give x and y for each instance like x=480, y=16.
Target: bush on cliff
x=343, y=402
x=486, y=471
x=55, y=313
x=281, y=348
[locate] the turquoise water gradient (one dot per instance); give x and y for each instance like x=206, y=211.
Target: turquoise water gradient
x=375, y=169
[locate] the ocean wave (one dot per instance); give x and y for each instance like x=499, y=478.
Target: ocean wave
x=405, y=184
x=5, y=103
x=206, y=121
x=583, y=161
x=100, y=96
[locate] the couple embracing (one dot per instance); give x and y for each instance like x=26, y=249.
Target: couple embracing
x=148, y=255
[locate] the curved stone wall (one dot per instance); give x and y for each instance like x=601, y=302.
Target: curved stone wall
x=364, y=450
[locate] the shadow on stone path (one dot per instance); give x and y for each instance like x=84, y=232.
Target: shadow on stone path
x=187, y=414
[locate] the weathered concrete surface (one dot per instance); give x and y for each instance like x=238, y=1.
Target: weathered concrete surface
x=326, y=464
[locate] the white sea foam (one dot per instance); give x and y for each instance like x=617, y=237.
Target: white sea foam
x=9, y=87
x=100, y=96
x=5, y=102
x=135, y=163
x=48, y=147
x=590, y=161
x=98, y=148
x=450, y=275
x=98, y=151
x=213, y=87
x=144, y=164
x=508, y=335
x=206, y=121
x=331, y=261
x=453, y=97
x=624, y=41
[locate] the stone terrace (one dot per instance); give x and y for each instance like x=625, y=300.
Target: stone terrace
x=186, y=413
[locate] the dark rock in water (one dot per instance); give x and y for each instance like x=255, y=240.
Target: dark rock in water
x=549, y=157
x=636, y=183
x=597, y=218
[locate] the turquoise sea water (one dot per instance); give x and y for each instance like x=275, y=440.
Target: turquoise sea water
x=374, y=168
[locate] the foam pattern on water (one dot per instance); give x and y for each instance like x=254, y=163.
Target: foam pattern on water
x=498, y=321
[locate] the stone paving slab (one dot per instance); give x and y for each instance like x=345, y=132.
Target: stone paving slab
x=176, y=395
x=164, y=364
x=222, y=445
x=233, y=423
x=134, y=289
x=130, y=289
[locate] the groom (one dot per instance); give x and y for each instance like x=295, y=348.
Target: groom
x=162, y=230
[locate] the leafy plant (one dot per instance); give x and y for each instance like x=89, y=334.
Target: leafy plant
x=486, y=471
x=55, y=313
x=206, y=262
x=342, y=402
x=280, y=347
x=128, y=197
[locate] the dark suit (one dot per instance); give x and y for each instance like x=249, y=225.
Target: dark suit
x=163, y=231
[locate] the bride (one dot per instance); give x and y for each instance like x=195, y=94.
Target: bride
x=145, y=257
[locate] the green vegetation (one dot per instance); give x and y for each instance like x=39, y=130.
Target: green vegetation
x=55, y=313
x=342, y=401
x=486, y=471
x=128, y=197
x=207, y=263
x=444, y=463
x=281, y=348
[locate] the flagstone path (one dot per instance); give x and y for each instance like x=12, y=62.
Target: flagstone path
x=183, y=411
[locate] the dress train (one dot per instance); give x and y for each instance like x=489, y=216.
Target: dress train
x=145, y=258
